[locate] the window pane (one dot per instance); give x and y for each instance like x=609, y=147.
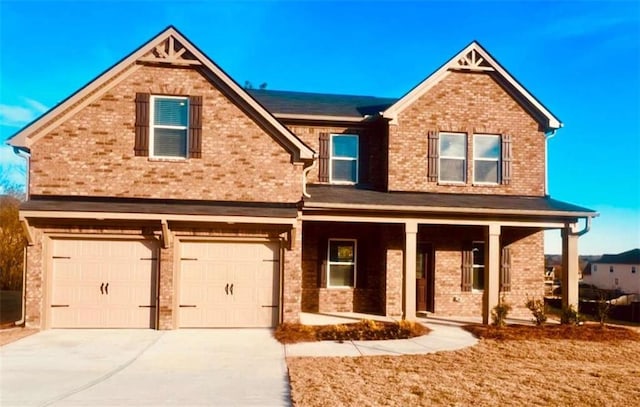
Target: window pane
x=452, y=170
x=452, y=145
x=343, y=170
x=478, y=278
x=170, y=112
x=341, y=251
x=341, y=275
x=169, y=142
x=486, y=171
x=344, y=146
x=486, y=147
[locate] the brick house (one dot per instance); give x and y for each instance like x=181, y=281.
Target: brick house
x=164, y=195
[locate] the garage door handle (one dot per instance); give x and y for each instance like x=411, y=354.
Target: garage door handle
x=231, y=289
x=226, y=289
x=102, y=288
x=146, y=306
x=106, y=289
x=187, y=306
x=269, y=306
x=59, y=306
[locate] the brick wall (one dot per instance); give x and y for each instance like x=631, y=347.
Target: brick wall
x=92, y=152
x=468, y=103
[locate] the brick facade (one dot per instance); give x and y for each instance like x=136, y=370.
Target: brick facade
x=467, y=103
x=91, y=154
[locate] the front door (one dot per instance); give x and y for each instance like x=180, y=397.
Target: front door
x=424, y=278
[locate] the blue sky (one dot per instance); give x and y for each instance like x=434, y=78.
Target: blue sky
x=581, y=59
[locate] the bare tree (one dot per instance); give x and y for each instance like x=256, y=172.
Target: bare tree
x=11, y=244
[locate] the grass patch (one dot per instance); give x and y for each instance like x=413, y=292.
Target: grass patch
x=365, y=330
x=586, y=332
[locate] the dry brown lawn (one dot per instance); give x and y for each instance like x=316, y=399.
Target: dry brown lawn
x=517, y=371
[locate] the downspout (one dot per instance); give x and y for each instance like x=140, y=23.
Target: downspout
x=24, y=289
x=587, y=227
x=547, y=137
x=304, y=176
x=27, y=158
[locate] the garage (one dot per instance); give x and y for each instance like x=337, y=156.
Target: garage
x=103, y=283
x=229, y=284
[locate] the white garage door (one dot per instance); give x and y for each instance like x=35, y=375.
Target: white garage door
x=103, y=284
x=229, y=284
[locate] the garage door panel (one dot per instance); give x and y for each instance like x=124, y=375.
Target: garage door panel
x=103, y=283
x=229, y=282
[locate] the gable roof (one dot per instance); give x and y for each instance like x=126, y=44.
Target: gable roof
x=288, y=104
x=475, y=58
x=629, y=257
x=168, y=47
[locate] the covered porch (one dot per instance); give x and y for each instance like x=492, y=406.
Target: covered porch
x=437, y=254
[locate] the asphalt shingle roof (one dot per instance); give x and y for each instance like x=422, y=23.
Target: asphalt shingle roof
x=628, y=257
x=329, y=194
x=321, y=104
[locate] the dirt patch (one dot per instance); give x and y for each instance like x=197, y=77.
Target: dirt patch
x=586, y=332
x=13, y=334
x=365, y=330
x=544, y=372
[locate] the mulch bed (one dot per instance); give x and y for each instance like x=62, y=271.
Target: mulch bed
x=359, y=331
x=586, y=332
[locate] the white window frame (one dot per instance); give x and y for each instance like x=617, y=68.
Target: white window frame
x=496, y=160
x=343, y=158
x=342, y=263
x=463, y=158
x=478, y=266
x=152, y=127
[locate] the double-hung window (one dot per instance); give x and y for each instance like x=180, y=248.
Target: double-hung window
x=344, y=159
x=453, y=157
x=169, y=126
x=486, y=159
x=478, y=265
x=341, y=264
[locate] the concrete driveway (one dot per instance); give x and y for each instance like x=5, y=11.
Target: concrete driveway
x=209, y=367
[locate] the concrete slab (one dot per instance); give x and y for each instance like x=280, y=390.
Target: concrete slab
x=230, y=367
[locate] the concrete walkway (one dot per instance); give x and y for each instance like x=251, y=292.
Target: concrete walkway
x=445, y=335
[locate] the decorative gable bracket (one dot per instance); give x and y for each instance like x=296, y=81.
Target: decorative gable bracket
x=472, y=61
x=170, y=51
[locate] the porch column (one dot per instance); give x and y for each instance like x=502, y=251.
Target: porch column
x=570, y=268
x=491, y=271
x=410, y=245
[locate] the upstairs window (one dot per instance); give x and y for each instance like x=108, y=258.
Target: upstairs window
x=453, y=157
x=447, y=158
x=486, y=159
x=344, y=159
x=169, y=126
x=341, y=267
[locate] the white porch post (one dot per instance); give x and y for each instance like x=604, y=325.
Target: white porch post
x=410, y=247
x=492, y=271
x=570, y=267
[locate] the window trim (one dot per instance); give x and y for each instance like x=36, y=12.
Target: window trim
x=475, y=266
x=354, y=263
x=343, y=158
x=497, y=160
x=153, y=126
x=464, y=158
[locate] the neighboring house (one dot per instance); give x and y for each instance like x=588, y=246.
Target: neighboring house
x=163, y=194
x=616, y=272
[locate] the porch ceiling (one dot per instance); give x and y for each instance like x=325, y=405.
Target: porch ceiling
x=349, y=198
